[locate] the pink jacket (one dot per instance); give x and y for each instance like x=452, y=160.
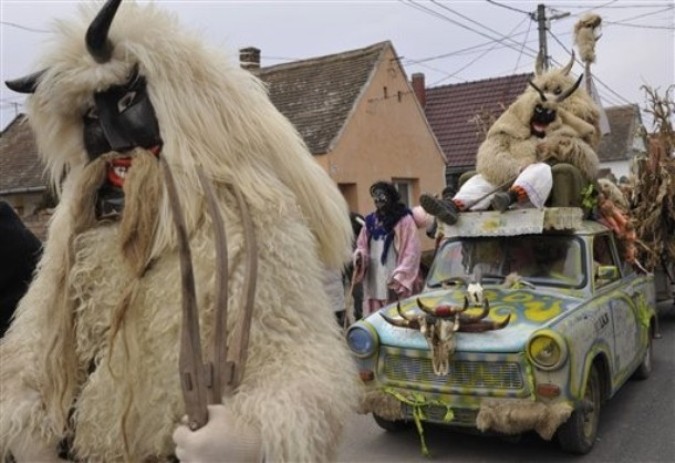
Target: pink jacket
x=408, y=250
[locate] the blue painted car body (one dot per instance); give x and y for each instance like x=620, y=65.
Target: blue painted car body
x=596, y=313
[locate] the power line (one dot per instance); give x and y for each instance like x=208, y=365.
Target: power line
x=474, y=49
x=446, y=18
x=595, y=77
x=606, y=97
x=606, y=5
x=497, y=41
x=651, y=13
x=640, y=26
x=521, y=50
x=25, y=28
x=624, y=22
x=623, y=5
x=478, y=57
x=508, y=7
x=503, y=37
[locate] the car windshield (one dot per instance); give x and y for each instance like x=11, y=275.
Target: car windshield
x=544, y=260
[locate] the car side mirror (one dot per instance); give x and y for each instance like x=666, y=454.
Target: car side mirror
x=607, y=273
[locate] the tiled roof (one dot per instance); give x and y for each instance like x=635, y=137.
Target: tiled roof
x=317, y=95
x=20, y=167
x=451, y=108
x=624, y=124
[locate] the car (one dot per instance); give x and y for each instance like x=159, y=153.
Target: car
x=529, y=321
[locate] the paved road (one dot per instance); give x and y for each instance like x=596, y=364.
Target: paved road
x=636, y=426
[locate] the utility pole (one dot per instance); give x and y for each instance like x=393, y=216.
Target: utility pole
x=543, y=22
x=543, y=47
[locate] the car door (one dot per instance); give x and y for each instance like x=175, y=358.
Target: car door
x=623, y=302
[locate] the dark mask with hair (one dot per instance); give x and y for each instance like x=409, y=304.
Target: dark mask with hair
x=541, y=118
x=380, y=198
x=121, y=119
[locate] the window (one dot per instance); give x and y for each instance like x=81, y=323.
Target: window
x=604, y=257
x=406, y=190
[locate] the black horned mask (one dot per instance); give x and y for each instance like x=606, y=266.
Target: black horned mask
x=545, y=111
x=122, y=117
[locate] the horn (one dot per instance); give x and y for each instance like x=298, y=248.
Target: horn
x=97, y=41
x=425, y=308
x=26, y=84
x=539, y=65
x=475, y=318
x=570, y=90
x=541, y=94
x=503, y=323
x=566, y=70
x=400, y=323
x=401, y=314
x=484, y=325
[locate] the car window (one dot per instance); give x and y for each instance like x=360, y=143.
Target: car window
x=604, y=257
x=548, y=260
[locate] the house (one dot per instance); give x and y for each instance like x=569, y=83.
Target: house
x=355, y=110
x=23, y=183
x=460, y=115
x=359, y=117
x=625, y=144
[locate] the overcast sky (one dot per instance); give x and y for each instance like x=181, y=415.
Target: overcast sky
x=449, y=41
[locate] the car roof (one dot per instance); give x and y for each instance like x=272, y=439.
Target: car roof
x=526, y=221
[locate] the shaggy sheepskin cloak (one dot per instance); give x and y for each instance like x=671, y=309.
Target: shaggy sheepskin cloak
x=571, y=138
x=92, y=356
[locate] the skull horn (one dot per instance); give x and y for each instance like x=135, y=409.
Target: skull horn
x=26, y=84
x=98, y=44
x=405, y=323
x=541, y=94
x=401, y=313
x=570, y=90
x=484, y=325
x=472, y=319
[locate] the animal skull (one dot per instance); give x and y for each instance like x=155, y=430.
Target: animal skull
x=439, y=325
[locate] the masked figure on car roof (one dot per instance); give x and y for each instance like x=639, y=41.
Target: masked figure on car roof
x=553, y=121
x=135, y=116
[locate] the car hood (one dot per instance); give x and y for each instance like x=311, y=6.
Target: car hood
x=530, y=310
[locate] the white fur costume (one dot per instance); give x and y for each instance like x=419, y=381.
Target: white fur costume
x=510, y=154
x=93, y=350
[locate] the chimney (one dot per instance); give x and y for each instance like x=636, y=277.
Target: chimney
x=249, y=58
x=418, y=88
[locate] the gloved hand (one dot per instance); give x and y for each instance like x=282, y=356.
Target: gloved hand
x=220, y=440
x=399, y=289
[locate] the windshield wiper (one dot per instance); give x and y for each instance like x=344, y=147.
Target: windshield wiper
x=452, y=281
x=494, y=276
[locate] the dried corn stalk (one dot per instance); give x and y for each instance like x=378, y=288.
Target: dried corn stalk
x=653, y=195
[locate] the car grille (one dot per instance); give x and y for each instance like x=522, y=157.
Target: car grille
x=436, y=414
x=486, y=375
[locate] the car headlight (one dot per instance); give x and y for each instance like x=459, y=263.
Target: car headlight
x=362, y=340
x=547, y=350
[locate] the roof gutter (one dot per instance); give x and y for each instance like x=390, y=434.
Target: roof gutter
x=14, y=191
